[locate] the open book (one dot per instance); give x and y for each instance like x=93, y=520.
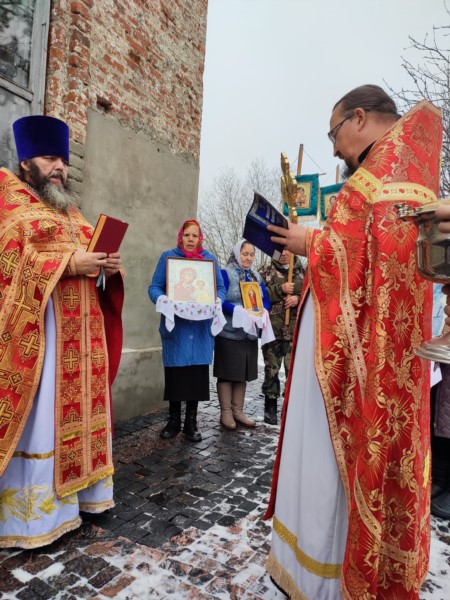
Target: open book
x=260, y=215
x=108, y=235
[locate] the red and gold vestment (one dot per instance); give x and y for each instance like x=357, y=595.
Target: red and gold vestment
x=36, y=243
x=372, y=309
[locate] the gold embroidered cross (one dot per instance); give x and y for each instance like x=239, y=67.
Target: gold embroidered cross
x=30, y=345
x=6, y=412
x=9, y=262
x=70, y=297
x=97, y=357
x=71, y=359
x=23, y=306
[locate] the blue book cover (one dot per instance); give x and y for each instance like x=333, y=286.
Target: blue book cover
x=260, y=215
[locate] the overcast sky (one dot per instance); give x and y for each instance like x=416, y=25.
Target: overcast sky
x=275, y=68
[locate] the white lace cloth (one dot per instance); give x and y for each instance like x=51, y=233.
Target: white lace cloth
x=192, y=311
x=250, y=323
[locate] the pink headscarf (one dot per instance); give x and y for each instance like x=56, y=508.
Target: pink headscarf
x=196, y=252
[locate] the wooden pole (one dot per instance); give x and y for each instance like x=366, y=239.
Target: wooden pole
x=300, y=160
x=287, y=315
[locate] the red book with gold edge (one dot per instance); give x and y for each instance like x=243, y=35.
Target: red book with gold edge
x=108, y=235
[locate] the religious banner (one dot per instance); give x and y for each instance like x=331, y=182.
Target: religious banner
x=328, y=195
x=305, y=197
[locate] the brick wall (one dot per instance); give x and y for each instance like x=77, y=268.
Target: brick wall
x=127, y=76
x=141, y=61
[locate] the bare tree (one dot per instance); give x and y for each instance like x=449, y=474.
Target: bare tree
x=223, y=207
x=430, y=79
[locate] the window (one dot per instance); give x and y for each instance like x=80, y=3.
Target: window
x=23, y=54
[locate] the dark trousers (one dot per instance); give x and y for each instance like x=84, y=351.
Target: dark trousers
x=275, y=353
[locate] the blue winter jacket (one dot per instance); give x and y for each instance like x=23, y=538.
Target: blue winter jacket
x=189, y=342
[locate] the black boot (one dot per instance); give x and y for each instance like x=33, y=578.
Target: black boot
x=190, y=422
x=440, y=465
x=270, y=411
x=440, y=506
x=173, y=426
x=438, y=475
x=440, y=502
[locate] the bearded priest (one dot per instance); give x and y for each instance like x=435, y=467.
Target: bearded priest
x=60, y=346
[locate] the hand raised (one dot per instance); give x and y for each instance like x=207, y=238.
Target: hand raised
x=294, y=238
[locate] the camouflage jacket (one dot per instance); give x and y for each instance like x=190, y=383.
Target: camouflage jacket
x=274, y=276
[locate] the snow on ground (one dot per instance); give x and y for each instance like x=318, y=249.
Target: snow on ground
x=229, y=562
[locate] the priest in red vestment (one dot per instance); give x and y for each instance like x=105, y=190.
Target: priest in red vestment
x=60, y=346
x=351, y=490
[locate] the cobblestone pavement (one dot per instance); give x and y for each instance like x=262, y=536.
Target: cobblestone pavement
x=187, y=522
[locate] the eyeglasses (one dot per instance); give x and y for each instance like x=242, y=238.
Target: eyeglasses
x=333, y=132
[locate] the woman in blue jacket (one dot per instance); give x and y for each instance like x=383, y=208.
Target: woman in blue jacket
x=187, y=350
x=236, y=352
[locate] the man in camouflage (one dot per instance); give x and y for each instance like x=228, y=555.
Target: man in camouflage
x=282, y=295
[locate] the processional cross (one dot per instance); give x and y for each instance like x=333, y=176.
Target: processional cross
x=289, y=192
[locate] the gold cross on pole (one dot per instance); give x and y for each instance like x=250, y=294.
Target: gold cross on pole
x=289, y=191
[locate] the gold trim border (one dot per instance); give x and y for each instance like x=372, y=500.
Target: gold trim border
x=348, y=314
x=29, y=456
x=326, y=393
x=96, y=508
x=283, y=579
x=87, y=482
x=325, y=570
x=36, y=541
x=374, y=190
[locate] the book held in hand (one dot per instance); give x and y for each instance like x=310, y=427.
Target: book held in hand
x=108, y=235
x=260, y=215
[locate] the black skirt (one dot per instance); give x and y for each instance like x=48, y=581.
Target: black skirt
x=235, y=360
x=186, y=383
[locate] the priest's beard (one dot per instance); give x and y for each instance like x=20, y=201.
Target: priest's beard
x=59, y=198
x=347, y=171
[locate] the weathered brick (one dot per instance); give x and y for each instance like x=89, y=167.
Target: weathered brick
x=79, y=8
x=78, y=38
x=8, y=582
x=76, y=162
x=37, y=588
x=135, y=55
x=76, y=187
x=104, y=577
x=37, y=563
x=77, y=149
x=86, y=566
x=83, y=591
x=113, y=589
x=81, y=22
x=75, y=60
